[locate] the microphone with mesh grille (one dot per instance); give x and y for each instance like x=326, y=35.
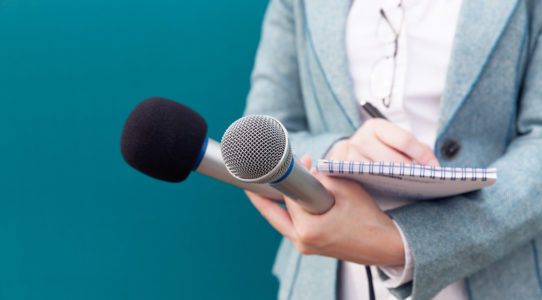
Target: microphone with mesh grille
x=167, y=140
x=256, y=149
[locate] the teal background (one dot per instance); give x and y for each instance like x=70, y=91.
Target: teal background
x=75, y=221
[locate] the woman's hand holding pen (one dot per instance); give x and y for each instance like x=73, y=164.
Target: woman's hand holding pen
x=355, y=228
x=381, y=140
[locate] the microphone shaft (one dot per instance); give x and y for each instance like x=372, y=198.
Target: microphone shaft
x=301, y=186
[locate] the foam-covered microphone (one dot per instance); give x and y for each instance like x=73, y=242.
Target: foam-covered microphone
x=167, y=140
x=256, y=150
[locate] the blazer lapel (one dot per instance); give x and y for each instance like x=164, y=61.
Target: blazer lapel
x=480, y=26
x=325, y=26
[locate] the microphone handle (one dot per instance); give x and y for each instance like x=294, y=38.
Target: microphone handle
x=213, y=165
x=301, y=186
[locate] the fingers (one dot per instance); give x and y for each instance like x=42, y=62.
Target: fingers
x=375, y=150
x=306, y=160
x=429, y=158
x=275, y=214
x=342, y=151
x=308, y=228
x=401, y=143
x=294, y=209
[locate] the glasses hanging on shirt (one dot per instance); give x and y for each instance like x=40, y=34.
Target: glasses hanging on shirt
x=382, y=80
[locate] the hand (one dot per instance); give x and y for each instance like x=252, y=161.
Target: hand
x=354, y=229
x=380, y=140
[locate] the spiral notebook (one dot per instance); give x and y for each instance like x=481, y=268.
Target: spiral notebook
x=410, y=181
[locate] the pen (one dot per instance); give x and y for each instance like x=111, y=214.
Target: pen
x=371, y=110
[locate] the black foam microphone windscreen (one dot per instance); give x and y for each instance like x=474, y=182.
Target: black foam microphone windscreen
x=163, y=139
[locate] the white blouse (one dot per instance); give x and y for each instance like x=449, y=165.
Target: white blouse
x=425, y=44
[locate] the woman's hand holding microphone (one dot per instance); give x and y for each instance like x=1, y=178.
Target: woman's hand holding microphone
x=355, y=229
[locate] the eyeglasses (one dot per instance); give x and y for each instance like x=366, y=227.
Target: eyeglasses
x=389, y=30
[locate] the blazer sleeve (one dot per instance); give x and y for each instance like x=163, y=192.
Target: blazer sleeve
x=275, y=82
x=456, y=237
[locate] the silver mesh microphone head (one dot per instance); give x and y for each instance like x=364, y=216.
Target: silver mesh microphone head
x=255, y=149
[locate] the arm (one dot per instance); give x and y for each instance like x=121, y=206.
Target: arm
x=500, y=218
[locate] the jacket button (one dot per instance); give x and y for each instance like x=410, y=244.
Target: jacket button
x=450, y=149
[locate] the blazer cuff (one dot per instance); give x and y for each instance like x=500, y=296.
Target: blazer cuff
x=399, y=275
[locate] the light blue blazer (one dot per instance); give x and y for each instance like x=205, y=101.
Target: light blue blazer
x=492, y=108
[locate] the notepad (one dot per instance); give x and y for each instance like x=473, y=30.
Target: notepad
x=410, y=181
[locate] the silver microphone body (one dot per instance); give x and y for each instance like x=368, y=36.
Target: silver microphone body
x=300, y=185
x=212, y=165
x=256, y=149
